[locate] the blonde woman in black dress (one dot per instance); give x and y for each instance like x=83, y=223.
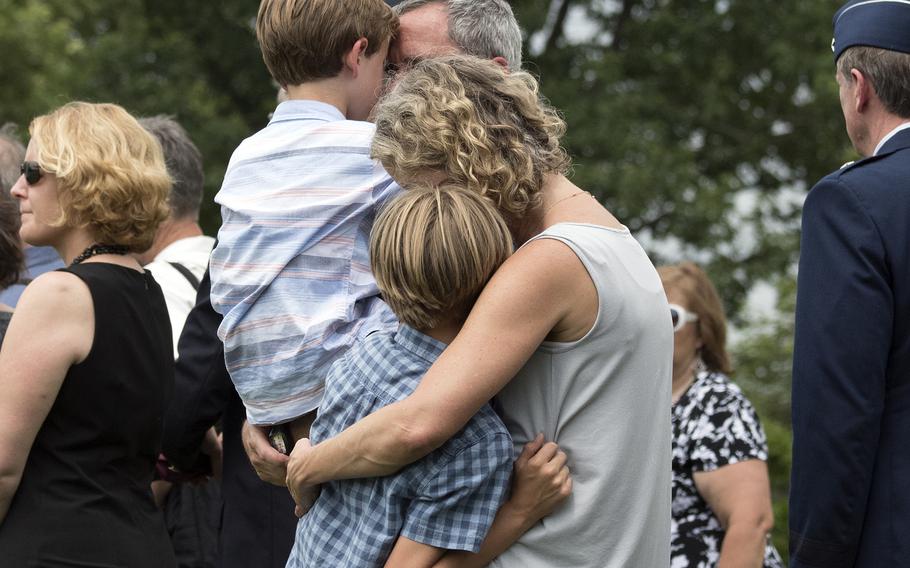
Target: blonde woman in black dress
x=87, y=363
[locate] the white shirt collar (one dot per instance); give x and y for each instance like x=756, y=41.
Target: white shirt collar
x=889, y=136
x=177, y=250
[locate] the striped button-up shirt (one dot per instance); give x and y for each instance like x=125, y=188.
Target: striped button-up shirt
x=447, y=499
x=291, y=271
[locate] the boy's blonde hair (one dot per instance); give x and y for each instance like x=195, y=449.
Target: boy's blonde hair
x=305, y=40
x=485, y=128
x=111, y=175
x=433, y=250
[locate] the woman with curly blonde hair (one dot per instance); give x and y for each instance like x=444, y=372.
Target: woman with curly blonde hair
x=86, y=365
x=572, y=334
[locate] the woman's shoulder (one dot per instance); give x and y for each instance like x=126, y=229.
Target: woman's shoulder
x=604, y=252
x=55, y=286
x=547, y=257
x=715, y=389
x=721, y=424
x=550, y=264
x=109, y=278
x=60, y=304
x=543, y=261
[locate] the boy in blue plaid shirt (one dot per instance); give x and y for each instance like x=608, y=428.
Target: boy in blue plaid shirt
x=433, y=251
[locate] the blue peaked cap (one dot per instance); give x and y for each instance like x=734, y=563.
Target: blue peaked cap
x=874, y=23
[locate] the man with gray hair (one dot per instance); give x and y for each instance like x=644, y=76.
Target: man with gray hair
x=180, y=252
x=38, y=260
x=483, y=28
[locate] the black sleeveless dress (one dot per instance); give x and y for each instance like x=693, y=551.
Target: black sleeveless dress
x=84, y=499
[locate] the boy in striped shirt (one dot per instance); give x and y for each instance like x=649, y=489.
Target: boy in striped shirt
x=291, y=272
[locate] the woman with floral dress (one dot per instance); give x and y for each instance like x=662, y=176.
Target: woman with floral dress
x=721, y=493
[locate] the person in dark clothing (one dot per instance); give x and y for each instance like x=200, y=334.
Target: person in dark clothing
x=12, y=261
x=10, y=254
x=86, y=366
x=257, y=518
x=177, y=260
x=850, y=484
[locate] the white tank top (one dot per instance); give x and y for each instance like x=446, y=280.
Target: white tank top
x=605, y=400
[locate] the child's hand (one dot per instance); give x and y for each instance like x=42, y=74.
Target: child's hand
x=540, y=480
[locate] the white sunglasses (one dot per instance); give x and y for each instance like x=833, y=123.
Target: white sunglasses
x=681, y=317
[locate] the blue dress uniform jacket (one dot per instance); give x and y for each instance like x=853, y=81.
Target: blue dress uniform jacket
x=850, y=486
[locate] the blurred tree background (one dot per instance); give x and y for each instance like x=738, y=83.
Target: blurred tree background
x=700, y=123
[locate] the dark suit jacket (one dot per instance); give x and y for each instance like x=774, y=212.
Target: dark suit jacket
x=257, y=522
x=850, y=486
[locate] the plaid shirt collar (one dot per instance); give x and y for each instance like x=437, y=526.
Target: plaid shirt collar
x=418, y=343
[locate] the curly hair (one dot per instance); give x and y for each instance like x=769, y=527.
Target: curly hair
x=692, y=282
x=11, y=257
x=433, y=249
x=111, y=174
x=484, y=128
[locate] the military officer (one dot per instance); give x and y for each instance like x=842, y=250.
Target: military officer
x=850, y=487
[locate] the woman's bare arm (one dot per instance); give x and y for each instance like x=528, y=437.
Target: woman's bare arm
x=530, y=294
x=740, y=496
x=51, y=330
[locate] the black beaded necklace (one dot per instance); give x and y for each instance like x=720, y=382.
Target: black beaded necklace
x=97, y=249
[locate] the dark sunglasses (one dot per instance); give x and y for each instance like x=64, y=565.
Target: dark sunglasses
x=31, y=171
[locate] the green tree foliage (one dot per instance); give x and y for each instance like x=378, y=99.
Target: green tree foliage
x=197, y=61
x=700, y=123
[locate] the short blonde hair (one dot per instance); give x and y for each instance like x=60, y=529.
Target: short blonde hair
x=111, y=175
x=487, y=129
x=433, y=249
x=305, y=40
x=693, y=283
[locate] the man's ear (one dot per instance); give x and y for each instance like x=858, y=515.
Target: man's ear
x=862, y=90
x=354, y=57
x=501, y=61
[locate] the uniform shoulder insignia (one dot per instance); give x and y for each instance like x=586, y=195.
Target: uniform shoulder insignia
x=848, y=164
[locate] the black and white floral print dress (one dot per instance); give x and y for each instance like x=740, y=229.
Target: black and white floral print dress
x=713, y=425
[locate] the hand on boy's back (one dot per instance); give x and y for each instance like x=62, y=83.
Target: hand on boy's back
x=540, y=480
x=270, y=464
